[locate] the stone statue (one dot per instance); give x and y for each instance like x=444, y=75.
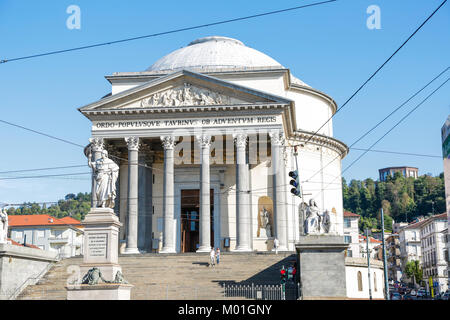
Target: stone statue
x=94, y=275
x=3, y=225
x=105, y=173
x=265, y=222
x=313, y=221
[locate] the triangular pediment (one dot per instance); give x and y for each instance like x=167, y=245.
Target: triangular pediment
x=183, y=89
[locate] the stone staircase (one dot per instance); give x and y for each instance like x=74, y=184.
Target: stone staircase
x=174, y=277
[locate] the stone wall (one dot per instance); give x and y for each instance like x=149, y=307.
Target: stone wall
x=17, y=264
x=355, y=265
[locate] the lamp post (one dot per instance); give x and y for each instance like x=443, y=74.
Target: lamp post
x=368, y=263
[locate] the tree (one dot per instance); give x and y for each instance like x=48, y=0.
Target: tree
x=414, y=271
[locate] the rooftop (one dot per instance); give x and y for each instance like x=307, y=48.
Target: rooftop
x=40, y=220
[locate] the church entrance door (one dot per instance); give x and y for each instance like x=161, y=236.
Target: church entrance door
x=190, y=217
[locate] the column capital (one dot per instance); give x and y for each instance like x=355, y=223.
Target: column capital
x=133, y=143
x=276, y=137
x=97, y=144
x=168, y=142
x=203, y=140
x=240, y=139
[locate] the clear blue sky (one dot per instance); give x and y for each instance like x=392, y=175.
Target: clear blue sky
x=329, y=47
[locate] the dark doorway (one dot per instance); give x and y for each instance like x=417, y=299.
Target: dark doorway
x=190, y=214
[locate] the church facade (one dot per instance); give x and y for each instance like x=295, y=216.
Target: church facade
x=205, y=139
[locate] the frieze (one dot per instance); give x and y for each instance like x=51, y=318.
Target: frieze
x=186, y=95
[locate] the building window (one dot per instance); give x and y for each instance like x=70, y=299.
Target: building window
x=19, y=234
x=40, y=233
x=349, y=253
x=347, y=223
x=347, y=239
x=360, y=285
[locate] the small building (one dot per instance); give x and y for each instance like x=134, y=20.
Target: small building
x=351, y=233
x=396, y=226
x=393, y=257
x=410, y=249
x=357, y=279
x=373, y=243
x=433, y=247
x=405, y=171
x=445, y=135
x=48, y=233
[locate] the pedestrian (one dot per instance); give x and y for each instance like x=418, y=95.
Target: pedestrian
x=275, y=245
x=218, y=255
x=212, y=257
x=294, y=271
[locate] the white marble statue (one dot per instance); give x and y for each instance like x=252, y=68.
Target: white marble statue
x=105, y=173
x=3, y=225
x=313, y=221
x=265, y=222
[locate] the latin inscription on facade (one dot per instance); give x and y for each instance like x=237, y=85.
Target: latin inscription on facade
x=186, y=123
x=97, y=244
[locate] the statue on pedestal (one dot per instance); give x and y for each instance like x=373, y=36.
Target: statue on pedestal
x=265, y=222
x=313, y=221
x=105, y=173
x=3, y=225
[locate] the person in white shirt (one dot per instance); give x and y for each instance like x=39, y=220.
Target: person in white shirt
x=212, y=257
x=275, y=245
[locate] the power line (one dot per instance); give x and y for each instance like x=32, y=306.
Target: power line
x=43, y=169
x=392, y=128
x=44, y=176
x=400, y=121
x=379, y=68
x=401, y=153
x=381, y=121
x=167, y=32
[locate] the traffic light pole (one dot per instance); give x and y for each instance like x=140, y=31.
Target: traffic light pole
x=386, y=283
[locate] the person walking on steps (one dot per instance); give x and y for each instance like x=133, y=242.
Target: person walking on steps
x=212, y=257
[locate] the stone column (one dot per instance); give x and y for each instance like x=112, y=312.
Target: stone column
x=205, y=206
x=97, y=145
x=132, y=229
x=278, y=189
x=243, y=219
x=123, y=200
x=168, y=196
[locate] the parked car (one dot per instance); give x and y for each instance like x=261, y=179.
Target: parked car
x=396, y=296
x=446, y=295
x=409, y=297
x=421, y=293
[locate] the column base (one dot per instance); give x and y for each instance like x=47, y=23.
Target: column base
x=131, y=251
x=203, y=249
x=242, y=249
x=168, y=250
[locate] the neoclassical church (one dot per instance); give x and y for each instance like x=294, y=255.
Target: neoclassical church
x=205, y=139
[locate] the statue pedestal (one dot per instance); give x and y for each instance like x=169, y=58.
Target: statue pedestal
x=322, y=267
x=101, y=247
x=99, y=292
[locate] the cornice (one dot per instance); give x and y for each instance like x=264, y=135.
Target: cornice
x=301, y=136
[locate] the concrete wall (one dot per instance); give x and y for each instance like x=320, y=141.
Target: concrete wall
x=17, y=264
x=355, y=265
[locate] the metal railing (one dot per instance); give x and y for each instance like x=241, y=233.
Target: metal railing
x=261, y=292
x=34, y=279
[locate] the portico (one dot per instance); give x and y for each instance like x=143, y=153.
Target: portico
x=204, y=150
x=200, y=144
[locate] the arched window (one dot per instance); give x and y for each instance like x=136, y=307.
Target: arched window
x=375, y=281
x=360, y=285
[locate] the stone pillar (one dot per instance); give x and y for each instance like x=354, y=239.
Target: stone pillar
x=205, y=206
x=243, y=217
x=168, y=196
x=278, y=189
x=132, y=229
x=97, y=145
x=123, y=200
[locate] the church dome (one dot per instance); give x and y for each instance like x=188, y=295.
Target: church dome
x=214, y=53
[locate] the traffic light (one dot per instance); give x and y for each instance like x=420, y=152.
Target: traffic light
x=295, y=182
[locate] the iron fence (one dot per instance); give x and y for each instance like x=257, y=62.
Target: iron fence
x=262, y=292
